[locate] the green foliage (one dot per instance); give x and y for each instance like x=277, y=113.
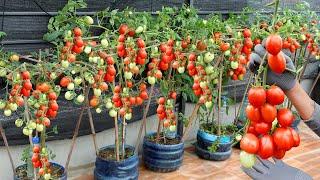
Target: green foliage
x=214, y=146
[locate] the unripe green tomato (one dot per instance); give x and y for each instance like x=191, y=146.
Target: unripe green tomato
x=151, y=80
x=13, y=106
x=125, y=90
x=7, y=112
x=70, y=86
x=69, y=33
x=36, y=105
x=3, y=72
x=139, y=29
x=128, y=116
x=208, y=57
x=90, y=59
x=78, y=80
x=65, y=64
x=128, y=75
x=88, y=20
x=181, y=69
x=203, y=84
x=39, y=127
x=173, y=128
x=204, y=22
x=80, y=98
x=95, y=59
x=18, y=122
x=53, y=75
x=44, y=150
x=69, y=95
x=97, y=92
x=91, y=80
x=104, y=43
x=215, y=81
x=209, y=69
x=98, y=110
x=87, y=50
x=47, y=176
x=132, y=65
x=3, y=63
x=109, y=105
x=26, y=131
x=247, y=160
x=113, y=113
x=234, y=64
x=227, y=53
x=208, y=104
x=238, y=137
x=32, y=125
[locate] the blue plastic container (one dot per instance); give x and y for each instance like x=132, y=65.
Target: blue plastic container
x=63, y=177
x=112, y=170
x=205, y=140
x=160, y=157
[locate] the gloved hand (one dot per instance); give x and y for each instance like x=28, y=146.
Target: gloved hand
x=267, y=170
x=285, y=81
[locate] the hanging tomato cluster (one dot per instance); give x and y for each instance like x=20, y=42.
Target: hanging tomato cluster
x=291, y=43
x=269, y=133
x=276, y=60
x=167, y=54
x=165, y=111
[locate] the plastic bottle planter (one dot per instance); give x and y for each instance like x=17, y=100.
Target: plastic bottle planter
x=162, y=158
x=112, y=170
x=56, y=167
x=205, y=140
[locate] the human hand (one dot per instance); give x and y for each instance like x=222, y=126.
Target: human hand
x=267, y=170
x=285, y=81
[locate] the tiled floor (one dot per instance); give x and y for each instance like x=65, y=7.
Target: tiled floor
x=305, y=157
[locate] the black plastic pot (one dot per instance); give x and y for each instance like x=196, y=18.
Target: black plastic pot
x=205, y=140
x=112, y=170
x=162, y=158
x=63, y=177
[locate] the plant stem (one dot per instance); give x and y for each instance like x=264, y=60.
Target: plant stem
x=93, y=132
x=116, y=137
x=123, y=136
x=275, y=12
x=26, y=115
x=243, y=98
x=219, y=100
x=144, y=119
x=158, y=131
x=4, y=137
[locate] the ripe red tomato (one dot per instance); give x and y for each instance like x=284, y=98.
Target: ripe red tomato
x=275, y=95
x=25, y=75
x=163, y=66
x=268, y=112
x=274, y=44
x=111, y=70
x=52, y=96
x=144, y=95
x=139, y=100
x=279, y=153
x=283, y=138
x=108, y=78
x=224, y=46
x=266, y=146
x=192, y=57
x=253, y=113
x=123, y=28
x=249, y=143
x=142, y=53
x=173, y=95
x=251, y=130
x=262, y=127
x=140, y=43
x=54, y=106
x=94, y=102
x=285, y=117
x=36, y=149
x=246, y=33
x=277, y=63
x=25, y=92
x=27, y=85
x=77, y=49
x=78, y=41
x=184, y=44
x=77, y=31
x=131, y=32
x=64, y=82
x=296, y=137
x=161, y=100
x=257, y=96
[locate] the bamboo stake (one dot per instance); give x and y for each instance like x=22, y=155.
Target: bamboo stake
x=123, y=136
x=76, y=131
x=144, y=119
x=314, y=84
x=4, y=137
x=190, y=121
x=243, y=98
x=26, y=114
x=219, y=100
x=116, y=137
x=158, y=131
x=93, y=132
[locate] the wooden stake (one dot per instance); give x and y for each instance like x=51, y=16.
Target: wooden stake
x=116, y=137
x=93, y=132
x=144, y=119
x=219, y=101
x=190, y=121
x=158, y=131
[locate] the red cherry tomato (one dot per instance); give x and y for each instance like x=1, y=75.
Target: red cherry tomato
x=253, y=113
x=262, y=127
x=275, y=95
x=266, y=146
x=296, y=137
x=274, y=44
x=283, y=138
x=285, y=117
x=268, y=112
x=277, y=63
x=257, y=96
x=249, y=143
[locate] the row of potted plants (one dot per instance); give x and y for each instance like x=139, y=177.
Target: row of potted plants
x=116, y=60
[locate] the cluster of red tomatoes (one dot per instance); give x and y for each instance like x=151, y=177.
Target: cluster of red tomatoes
x=73, y=45
x=154, y=72
x=276, y=60
x=291, y=44
x=180, y=62
x=312, y=45
x=267, y=136
x=122, y=101
x=167, y=54
x=165, y=110
x=21, y=87
x=38, y=159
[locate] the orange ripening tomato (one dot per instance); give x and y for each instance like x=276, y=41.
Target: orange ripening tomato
x=249, y=143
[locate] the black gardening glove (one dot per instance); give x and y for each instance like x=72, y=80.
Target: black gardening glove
x=285, y=81
x=277, y=170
